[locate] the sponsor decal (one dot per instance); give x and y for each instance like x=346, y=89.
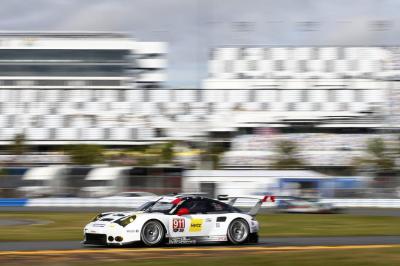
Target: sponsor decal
x=98, y=225
x=196, y=225
x=217, y=225
x=178, y=225
x=217, y=238
x=181, y=240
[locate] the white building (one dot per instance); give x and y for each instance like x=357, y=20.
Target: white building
x=323, y=86
x=327, y=98
x=109, y=89
x=58, y=88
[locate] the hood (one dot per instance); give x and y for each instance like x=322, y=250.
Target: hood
x=110, y=217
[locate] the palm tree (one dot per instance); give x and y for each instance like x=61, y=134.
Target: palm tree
x=377, y=157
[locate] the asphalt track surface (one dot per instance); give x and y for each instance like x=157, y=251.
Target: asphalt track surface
x=264, y=242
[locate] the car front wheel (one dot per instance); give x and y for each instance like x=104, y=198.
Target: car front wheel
x=152, y=233
x=238, y=231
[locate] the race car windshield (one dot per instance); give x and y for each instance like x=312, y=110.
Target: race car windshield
x=160, y=206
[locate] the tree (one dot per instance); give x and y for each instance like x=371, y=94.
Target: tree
x=287, y=156
x=377, y=157
x=167, y=152
x=212, y=153
x=18, y=147
x=85, y=154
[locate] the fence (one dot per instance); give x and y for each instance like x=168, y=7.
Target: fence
x=134, y=203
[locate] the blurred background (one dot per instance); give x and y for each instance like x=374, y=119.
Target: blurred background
x=291, y=98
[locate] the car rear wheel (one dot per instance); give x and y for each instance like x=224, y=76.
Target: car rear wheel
x=152, y=233
x=238, y=231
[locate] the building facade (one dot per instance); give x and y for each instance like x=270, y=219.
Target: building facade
x=320, y=86
x=63, y=87
x=109, y=89
x=325, y=99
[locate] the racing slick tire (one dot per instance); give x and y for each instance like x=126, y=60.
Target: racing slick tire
x=153, y=233
x=238, y=231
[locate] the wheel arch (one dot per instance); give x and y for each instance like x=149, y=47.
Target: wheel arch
x=157, y=220
x=248, y=228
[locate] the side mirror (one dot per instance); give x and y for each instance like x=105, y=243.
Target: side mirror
x=182, y=211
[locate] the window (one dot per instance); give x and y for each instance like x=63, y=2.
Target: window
x=241, y=53
x=104, y=82
x=50, y=83
x=329, y=66
x=278, y=94
x=11, y=121
x=291, y=107
x=279, y=65
x=252, y=65
x=267, y=54
x=25, y=83
x=219, y=207
x=331, y=96
x=8, y=82
x=353, y=65
x=304, y=95
x=121, y=95
x=303, y=66
x=252, y=95
x=52, y=133
x=315, y=53
x=212, y=54
x=228, y=67
x=196, y=206
x=134, y=133
x=77, y=83
x=358, y=95
x=340, y=53
x=210, y=108
x=107, y=133
x=316, y=106
x=93, y=121
x=67, y=121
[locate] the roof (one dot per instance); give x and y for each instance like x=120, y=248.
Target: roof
x=105, y=173
x=43, y=173
x=255, y=173
x=64, y=34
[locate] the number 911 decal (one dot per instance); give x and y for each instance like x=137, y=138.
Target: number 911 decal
x=178, y=225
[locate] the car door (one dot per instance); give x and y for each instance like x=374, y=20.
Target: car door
x=196, y=223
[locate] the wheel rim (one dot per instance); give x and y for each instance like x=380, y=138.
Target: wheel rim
x=152, y=233
x=239, y=231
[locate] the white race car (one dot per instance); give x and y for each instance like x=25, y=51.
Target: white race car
x=179, y=219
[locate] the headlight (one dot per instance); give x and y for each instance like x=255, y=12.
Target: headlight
x=126, y=220
x=98, y=217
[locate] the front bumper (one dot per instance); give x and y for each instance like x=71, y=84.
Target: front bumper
x=110, y=235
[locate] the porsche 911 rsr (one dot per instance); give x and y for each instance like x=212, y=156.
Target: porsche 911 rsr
x=180, y=219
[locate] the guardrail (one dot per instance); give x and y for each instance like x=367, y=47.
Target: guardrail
x=134, y=203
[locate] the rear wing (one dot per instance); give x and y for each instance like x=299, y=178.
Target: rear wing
x=254, y=210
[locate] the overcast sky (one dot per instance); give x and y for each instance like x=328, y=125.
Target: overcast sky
x=191, y=27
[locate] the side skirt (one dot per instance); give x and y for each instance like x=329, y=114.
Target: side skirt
x=197, y=239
